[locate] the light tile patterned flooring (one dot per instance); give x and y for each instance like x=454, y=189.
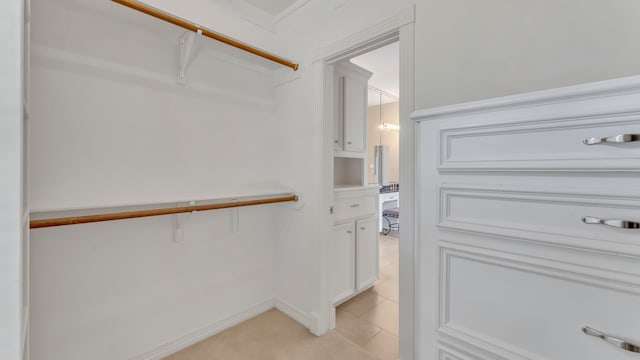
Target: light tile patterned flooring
x=366, y=327
x=371, y=318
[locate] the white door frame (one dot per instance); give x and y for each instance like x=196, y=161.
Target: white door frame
x=12, y=313
x=397, y=28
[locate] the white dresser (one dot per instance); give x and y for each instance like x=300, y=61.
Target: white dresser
x=529, y=226
x=353, y=249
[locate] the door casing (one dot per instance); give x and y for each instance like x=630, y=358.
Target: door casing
x=397, y=28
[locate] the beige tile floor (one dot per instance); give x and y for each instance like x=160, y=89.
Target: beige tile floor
x=366, y=327
x=371, y=318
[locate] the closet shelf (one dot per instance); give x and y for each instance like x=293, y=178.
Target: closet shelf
x=175, y=205
x=205, y=32
x=192, y=207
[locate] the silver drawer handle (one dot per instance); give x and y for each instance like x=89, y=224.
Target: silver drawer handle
x=354, y=205
x=622, y=344
x=622, y=224
x=349, y=142
x=624, y=138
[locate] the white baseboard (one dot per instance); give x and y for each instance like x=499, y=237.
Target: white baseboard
x=295, y=313
x=183, y=342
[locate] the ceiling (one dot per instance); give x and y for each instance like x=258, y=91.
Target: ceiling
x=384, y=63
x=272, y=7
x=265, y=13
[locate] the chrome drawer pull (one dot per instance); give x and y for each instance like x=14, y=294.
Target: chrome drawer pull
x=622, y=224
x=622, y=344
x=354, y=205
x=624, y=138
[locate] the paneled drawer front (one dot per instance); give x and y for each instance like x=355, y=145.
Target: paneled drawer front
x=542, y=215
x=354, y=206
x=532, y=308
x=543, y=145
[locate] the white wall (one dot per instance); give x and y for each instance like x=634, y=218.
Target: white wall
x=314, y=27
x=105, y=75
x=297, y=268
x=111, y=126
x=10, y=180
x=468, y=50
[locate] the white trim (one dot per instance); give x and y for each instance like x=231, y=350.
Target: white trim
x=185, y=341
x=598, y=89
x=295, y=313
x=409, y=245
x=398, y=28
x=382, y=33
x=322, y=228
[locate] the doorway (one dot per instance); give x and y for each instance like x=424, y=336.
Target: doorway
x=367, y=312
x=399, y=29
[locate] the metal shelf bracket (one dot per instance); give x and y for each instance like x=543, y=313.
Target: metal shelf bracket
x=185, y=50
x=180, y=220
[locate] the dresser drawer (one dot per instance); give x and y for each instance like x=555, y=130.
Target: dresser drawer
x=533, y=307
x=564, y=217
x=349, y=206
x=574, y=144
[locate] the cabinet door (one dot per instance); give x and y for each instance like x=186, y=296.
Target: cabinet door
x=367, y=258
x=354, y=114
x=342, y=263
x=338, y=113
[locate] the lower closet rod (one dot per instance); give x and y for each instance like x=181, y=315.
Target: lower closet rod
x=35, y=224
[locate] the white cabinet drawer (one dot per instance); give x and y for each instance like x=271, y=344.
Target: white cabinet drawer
x=349, y=207
x=534, y=308
x=543, y=214
x=542, y=145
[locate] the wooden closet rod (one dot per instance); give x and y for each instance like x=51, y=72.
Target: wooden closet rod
x=208, y=33
x=35, y=224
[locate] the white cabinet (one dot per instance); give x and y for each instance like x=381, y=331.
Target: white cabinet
x=350, y=126
x=354, y=112
x=342, y=268
x=529, y=211
x=366, y=252
x=353, y=254
x=353, y=247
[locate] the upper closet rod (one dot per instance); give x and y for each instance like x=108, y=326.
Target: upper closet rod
x=35, y=224
x=208, y=33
